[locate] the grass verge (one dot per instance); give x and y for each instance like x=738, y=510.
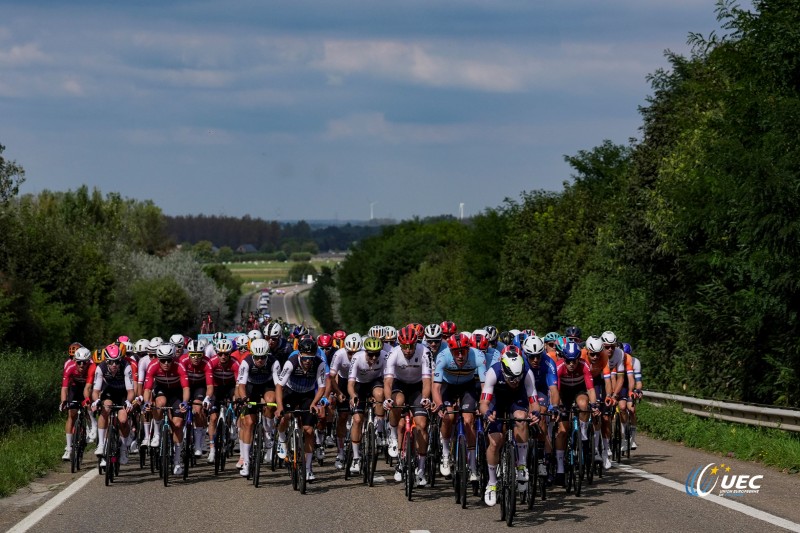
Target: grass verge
x=28, y=453
x=773, y=447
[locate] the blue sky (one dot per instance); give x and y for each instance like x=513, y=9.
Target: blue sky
x=314, y=109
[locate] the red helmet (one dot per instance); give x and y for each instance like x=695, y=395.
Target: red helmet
x=408, y=335
x=448, y=328
x=480, y=341
x=325, y=340
x=459, y=342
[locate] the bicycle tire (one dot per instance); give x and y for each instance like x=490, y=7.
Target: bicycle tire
x=219, y=445
x=480, y=462
x=109, y=469
x=589, y=456
x=628, y=437
x=501, y=480
x=155, y=459
x=408, y=445
x=348, y=456
x=616, y=441
x=273, y=456
x=165, y=452
x=432, y=461
x=301, y=465
x=187, y=450
x=510, y=483
x=82, y=438
x=73, y=453
x=580, y=466
x=373, y=455
x=463, y=466
x=258, y=454
x=292, y=458
x=532, y=462
x=569, y=466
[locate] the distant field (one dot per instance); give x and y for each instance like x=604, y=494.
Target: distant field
x=260, y=273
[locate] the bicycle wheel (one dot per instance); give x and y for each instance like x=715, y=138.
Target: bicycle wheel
x=258, y=454
x=220, y=432
x=166, y=454
x=409, y=458
x=348, y=456
x=579, y=466
x=432, y=462
x=373, y=454
x=273, y=463
x=301, y=463
x=73, y=454
x=109, y=469
x=532, y=462
x=510, y=483
x=616, y=440
x=589, y=456
x=463, y=467
x=187, y=450
x=502, y=475
x=478, y=487
x=628, y=437
x=569, y=463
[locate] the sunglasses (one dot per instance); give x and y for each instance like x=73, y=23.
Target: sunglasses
x=535, y=356
x=262, y=357
x=163, y=361
x=594, y=354
x=407, y=346
x=81, y=363
x=550, y=344
x=306, y=358
x=571, y=361
x=112, y=362
x=608, y=346
x=372, y=355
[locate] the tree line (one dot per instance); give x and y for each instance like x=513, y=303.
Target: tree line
x=685, y=242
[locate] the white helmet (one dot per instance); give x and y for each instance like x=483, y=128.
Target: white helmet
x=514, y=332
x=241, y=341
x=376, y=331
x=153, y=345
x=609, y=337
x=142, y=345
x=177, y=339
x=389, y=333
x=83, y=354
x=273, y=330
x=165, y=351
x=254, y=334
x=191, y=346
x=202, y=343
x=433, y=332
x=481, y=332
x=512, y=366
x=259, y=347
x=224, y=346
x=218, y=335
x=594, y=344
x=352, y=343
x=128, y=347
x=533, y=345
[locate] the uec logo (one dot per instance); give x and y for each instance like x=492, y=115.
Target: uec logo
x=704, y=479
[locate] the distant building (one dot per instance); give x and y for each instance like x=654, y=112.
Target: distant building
x=246, y=249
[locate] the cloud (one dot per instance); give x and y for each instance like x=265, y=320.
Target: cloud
x=375, y=127
x=187, y=136
x=73, y=87
x=23, y=55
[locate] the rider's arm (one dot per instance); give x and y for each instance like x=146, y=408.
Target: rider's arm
x=488, y=391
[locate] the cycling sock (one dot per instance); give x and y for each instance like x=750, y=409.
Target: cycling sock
x=147, y=432
x=393, y=431
x=583, y=431
x=340, y=442
x=622, y=431
x=176, y=457
x=93, y=421
x=605, y=443
x=69, y=440
x=492, y=474
x=269, y=425
x=471, y=459
x=559, y=461
x=522, y=455
x=244, y=451
x=380, y=425
x=356, y=450
x=101, y=435
x=421, y=462
x=282, y=437
x=597, y=441
x=319, y=436
x=309, y=460
x=199, y=437
x=445, y=447
x=633, y=433
x=157, y=430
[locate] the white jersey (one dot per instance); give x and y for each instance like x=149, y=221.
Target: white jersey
x=209, y=351
x=492, y=379
x=362, y=372
x=141, y=370
x=244, y=372
x=340, y=364
x=617, y=361
x=409, y=370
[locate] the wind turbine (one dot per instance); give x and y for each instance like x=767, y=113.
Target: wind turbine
x=371, y=211
x=461, y=211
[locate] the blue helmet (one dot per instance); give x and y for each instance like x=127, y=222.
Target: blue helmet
x=627, y=348
x=519, y=339
x=571, y=351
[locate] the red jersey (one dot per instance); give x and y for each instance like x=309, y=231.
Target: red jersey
x=199, y=375
x=75, y=375
x=224, y=374
x=582, y=375
x=173, y=378
x=240, y=355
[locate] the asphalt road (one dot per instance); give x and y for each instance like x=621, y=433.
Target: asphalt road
x=623, y=500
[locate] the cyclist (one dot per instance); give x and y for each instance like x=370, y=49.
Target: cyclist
x=545, y=377
x=147, y=360
x=637, y=390
x=433, y=339
x=459, y=374
x=201, y=385
x=573, y=334
x=503, y=394
x=597, y=359
x=339, y=372
x=167, y=385
x=621, y=376
x=389, y=337
x=325, y=343
x=71, y=349
x=551, y=345
x=494, y=336
x=448, y=329
x=338, y=338
x=113, y=385
x=209, y=348
x=366, y=381
x=73, y=383
x=480, y=341
x=240, y=348
x=257, y=382
x=574, y=385
x=301, y=375
x=279, y=347
x=407, y=380
x=224, y=370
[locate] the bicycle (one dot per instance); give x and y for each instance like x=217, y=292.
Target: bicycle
x=187, y=446
x=575, y=458
x=369, y=461
x=348, y=447
x=295, y=456
x=479, y=487
x=537, y=482
x=434, y=449
x=224, y=436
x=258, y=445
x=459, y=450
x=507, y=472
x=112, y=445
x=166, y=446
x=79, y=439
x=408, y=457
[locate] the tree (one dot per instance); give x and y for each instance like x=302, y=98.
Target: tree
x=12, y=176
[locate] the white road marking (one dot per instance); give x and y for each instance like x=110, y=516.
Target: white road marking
x=719, y=500
x=32, y=519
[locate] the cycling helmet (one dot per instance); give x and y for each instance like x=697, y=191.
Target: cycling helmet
x=407, y=335
x=528, y=332
x=259, y=347
x=433, y=332
x=506, y=337
x=513, y=366
x=572, y=351
x=533, y=345
x=492, y=333
x=515, y=332
x=420, y=329
x=125, y=348
x=241, y=342
x=480, y=340
x=192, y=346
x=389, y=333
x=74, y=348
x=609, y=337
x=376, y=331
x=157, y=340
x=112, y=353
x=459, y=342
x=512, y=350
x=217, y=336
x=626, y=347
x=325, y=341
x=98, y=356
x=123, y=338
x=273, y=330
x=519, y=338
x=202, y=343
x=352, y=342
x=299, y=331
x=307, y=345
x=338, y=338
x=177, y=340
x=448, y=328
x=153, y=345
x=82, y=354
x=374, y=344
x=552, y=336
x=142, y=345
x=165, y=352
x=573, y=331
x=223, y=346
x=254, y=334
x=594, y=344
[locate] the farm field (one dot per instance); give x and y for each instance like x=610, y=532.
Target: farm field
x=258, y=274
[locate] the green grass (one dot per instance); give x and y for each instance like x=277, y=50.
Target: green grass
x=262, y=272
x=772, y=447
x=28, y=453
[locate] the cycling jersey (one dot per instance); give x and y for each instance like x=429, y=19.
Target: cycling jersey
x=144, y=364
x=448, y=371
x=492, y=356
x=340, y=364
x=173, y=378
x=496, y=384
x=74, y=375
x=224, y=375
x=619, y=363
x=282, y=351
x=121, y=380
x=296, y=379
x=408, y=370
x=321, y=354
x=599, y=368
x=199, y=375
x=362, y=372
x=266, y=375
x=580, y=378
x=544, y=377
x=637, y=370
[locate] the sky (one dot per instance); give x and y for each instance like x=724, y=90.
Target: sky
x=320, y=109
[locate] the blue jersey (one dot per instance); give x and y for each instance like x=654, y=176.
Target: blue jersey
x=447, y=371
x=546, y=375
x=492, y=357
x=321, y=354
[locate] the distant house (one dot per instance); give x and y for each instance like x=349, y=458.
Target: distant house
x=246, y=249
